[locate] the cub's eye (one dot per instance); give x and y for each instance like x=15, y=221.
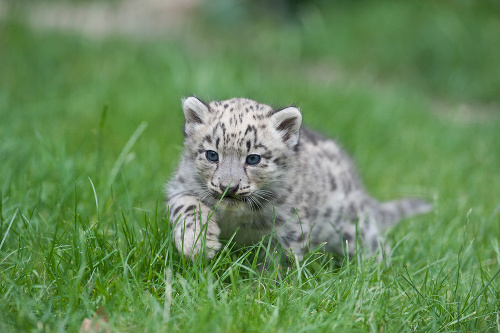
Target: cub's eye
x=212, y=156
x=253, y=159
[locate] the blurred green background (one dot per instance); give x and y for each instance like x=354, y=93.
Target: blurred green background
x=411, y=89
x=407, y=87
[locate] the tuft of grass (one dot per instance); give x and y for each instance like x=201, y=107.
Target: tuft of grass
x=83, y=226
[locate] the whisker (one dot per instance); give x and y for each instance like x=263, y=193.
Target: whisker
x=252, y=204
x=257, y=202
x=261, y=197
x=264, y=194
x=205, y=194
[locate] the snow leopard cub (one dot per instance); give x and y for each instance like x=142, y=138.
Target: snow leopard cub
x=278, y=178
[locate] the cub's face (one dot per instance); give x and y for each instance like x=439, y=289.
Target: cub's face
x=239, y=149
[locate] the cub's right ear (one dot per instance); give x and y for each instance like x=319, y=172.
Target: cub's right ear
x=195, y=113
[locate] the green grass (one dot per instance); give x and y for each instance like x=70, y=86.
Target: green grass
x=90, y=131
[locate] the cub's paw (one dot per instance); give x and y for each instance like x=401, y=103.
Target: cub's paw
x=189, y=240
x=212, y=247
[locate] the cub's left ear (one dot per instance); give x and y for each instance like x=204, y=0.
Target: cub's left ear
x=195, y=112
x=287, y=122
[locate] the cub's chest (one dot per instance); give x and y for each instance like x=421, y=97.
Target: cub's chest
x=249, y=226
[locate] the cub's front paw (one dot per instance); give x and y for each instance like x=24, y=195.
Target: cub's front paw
x=189, y=241
x=212, y=247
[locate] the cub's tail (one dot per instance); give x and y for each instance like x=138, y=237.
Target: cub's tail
x=393, y=211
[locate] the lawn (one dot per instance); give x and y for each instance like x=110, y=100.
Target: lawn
x=91, y=129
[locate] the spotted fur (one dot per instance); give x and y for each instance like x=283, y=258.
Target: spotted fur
x=304, y=190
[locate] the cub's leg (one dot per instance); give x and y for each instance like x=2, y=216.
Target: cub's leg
x=294, y=240
x=193, y=221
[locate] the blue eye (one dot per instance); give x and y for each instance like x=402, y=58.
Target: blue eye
x=253, y=159
x=212, y=156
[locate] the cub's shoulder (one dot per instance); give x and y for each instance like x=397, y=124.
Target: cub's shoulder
x=309, y=136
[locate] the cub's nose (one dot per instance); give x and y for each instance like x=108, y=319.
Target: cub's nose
x=230, y=190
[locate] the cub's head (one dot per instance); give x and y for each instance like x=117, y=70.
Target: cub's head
x=240, y=150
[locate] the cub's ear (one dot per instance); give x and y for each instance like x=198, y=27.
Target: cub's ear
x=287, y=122
x=195, y=113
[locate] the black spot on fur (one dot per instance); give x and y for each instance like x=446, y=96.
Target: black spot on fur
x=279, y=221
x=333, y=183
x=347, y=237
x=285, y=243
x=339, y=217
x=250, y=128
x=267, y=155
x=280, y=161
x=280, y=200
x=306, y=213
x=290, y=237
x=177, y=209
x=347, y=185
x=352, y=213
x=189, y=208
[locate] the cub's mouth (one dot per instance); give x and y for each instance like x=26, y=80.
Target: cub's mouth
x=230, y=198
